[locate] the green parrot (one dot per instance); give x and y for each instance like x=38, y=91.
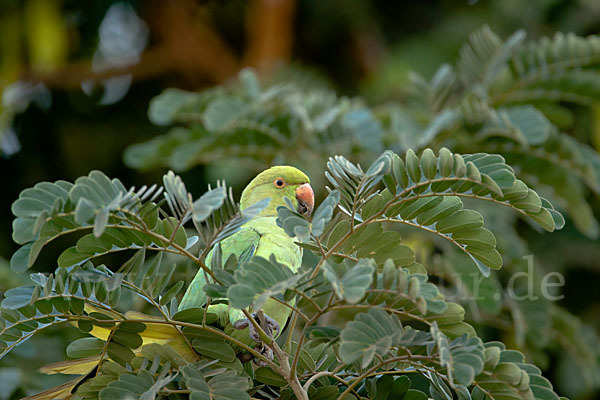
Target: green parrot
x=259, y=237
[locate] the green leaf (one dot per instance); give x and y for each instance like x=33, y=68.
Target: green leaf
x=128, y=339
x=353, y=285
x=372, y=241
x=362, y=125
x=322, y=334
x=194, y=316
x=463, y=220
x=207, y=203
x=133, y=268
x=42, y=197
x=111, y=393
x=412, y=208
x=450, y=321
x=20, y=260
x=257, y=280
x=225, y=386
x=133, y=327
x=165, y=108
x=163, y=280
x=413, y=394
x=429, y=164
x=388, y=387
x=23, y=230
x=85, y=347
x=164, y=352
x=229, y=219
x=18, y=297
x=324, y=212
x=180, y=237
x=329, y=392
x=171, y=293
x=266, y=375
x=119, y=353
x=100, y=221
x=84, y=211
x=413, y=166
x=220, y=112
x=115, y=239
x=151, y=274
x=443, y=349
x=506, y=374
x=489, y=257
x=531, y=122
x=101, y=317
x=250, y=82
x=293, y=224
x=214, y=348
x=548, y=63
x=546, y=219
x=448, y=206
x=369, y=333
x=477, y=238
x=484, y=56
x=71, y=257
x=467, y=358
x=354, y=184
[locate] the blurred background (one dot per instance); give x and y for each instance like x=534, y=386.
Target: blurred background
x=77, y=78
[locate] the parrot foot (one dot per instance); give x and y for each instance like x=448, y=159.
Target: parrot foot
x=263, y=350
x=267, y=352
x=271, y=327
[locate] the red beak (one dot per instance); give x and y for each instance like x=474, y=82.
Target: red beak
x=306, y=199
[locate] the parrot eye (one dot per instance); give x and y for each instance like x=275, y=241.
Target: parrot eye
x=279, y=182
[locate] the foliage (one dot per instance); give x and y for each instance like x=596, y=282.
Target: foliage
x=395, y=322
x=371, y=319
x=255, y=125
x=512, y=98
x=507, y=97
x=517, y=99
x=503, y=97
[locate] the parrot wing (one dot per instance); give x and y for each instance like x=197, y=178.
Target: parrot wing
x=244, y=242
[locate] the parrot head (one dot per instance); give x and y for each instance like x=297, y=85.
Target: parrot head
x=276, y=183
